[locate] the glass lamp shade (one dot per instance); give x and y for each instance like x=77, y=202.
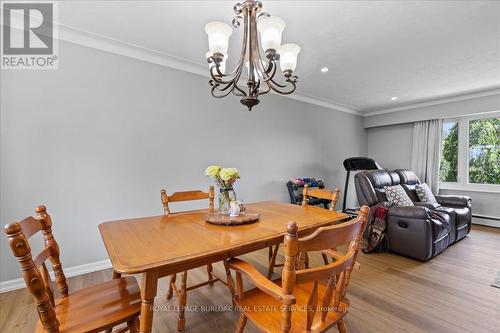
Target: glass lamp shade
x=270, y=29
x=288, y=56
x=222, y=66
x=218, y=36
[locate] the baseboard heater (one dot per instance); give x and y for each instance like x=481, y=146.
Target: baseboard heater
x=490, y=221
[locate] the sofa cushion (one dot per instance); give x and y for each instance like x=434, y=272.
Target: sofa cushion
x=397, y=196
x=425, y=194
x=407, y=176
x=379, y=178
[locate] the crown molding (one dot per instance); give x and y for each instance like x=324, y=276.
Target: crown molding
x=435, y=102
x=89, y=39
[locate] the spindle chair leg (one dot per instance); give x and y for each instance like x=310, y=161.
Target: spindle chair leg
x=209, y=272
x=133, y=325
x=272, y=261
x=341, y=326
x=116, y=275
x=241, y=323
x=171, y=283
x=182, y=302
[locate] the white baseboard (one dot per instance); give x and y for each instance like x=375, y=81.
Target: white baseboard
x=69, y=272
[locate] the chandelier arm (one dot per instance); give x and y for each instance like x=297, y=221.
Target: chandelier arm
x=255, y=90
x=240, y=91
x=282, y=92
x=217, y=75
x=226, y=87
x=269, y=76
x=263, y=92
x=277, y=84
x=233, y=84
x=214, y=89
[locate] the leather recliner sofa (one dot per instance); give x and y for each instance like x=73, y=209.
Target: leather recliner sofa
x=411, y=230
x=458, y=207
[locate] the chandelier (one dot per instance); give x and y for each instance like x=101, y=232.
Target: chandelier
x=260, y=71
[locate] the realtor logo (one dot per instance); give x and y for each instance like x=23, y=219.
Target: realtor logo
x=29, y=38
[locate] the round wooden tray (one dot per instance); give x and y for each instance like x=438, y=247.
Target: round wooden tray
x=246, y=218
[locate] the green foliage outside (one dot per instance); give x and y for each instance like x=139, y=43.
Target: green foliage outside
x=449, y=157
x=484, y=151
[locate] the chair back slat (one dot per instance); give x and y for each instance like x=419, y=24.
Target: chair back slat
x=337, y=273
x=327, y=297
x=339, y=289
x=324, y=272
x=186, y=196
x=312, y=305
x=333, y=196
x=30, y=226
x=330, y=237
x=35, y=273
x=42, y=257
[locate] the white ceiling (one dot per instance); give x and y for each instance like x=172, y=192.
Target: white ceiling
x=415, y=50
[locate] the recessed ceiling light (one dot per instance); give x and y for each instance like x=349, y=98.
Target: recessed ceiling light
x=394, y=98
x=324, y=69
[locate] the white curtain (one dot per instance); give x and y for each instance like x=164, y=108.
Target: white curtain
x=426, y=152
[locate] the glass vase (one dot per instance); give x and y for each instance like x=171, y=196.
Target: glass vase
x=226, y=196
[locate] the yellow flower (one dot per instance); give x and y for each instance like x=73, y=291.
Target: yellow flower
x=229, y=174
x=213, y=170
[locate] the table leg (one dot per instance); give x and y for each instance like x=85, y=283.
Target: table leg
x=149, y=284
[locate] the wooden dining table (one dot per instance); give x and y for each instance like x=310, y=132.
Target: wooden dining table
x=159, y=246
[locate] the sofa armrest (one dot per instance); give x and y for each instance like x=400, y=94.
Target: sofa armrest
x=414, y=212
x=429, y=205
x=454, y=200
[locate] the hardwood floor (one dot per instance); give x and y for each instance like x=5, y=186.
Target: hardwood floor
x=391, y=293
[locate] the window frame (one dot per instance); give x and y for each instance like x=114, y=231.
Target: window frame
x=462, y=183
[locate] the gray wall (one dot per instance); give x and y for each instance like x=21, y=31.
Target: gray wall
x=391, y=146
x=96, y=139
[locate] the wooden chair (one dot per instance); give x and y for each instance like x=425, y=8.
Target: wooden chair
x=172, y=286
x=293, y=302
x=307, y=193
x=321, y=194
x=93, y=309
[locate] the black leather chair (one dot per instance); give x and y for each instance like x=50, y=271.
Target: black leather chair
x=412, y=230
x=458, y=207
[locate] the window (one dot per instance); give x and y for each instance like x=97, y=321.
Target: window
x=470, y=153
x=484, y=151
x=449, y=154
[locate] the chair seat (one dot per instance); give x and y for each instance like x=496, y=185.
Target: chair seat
x=98, y=307
x=265, y=311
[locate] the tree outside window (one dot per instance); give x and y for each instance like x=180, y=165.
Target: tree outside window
x=449, y=157
x=484, y=151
